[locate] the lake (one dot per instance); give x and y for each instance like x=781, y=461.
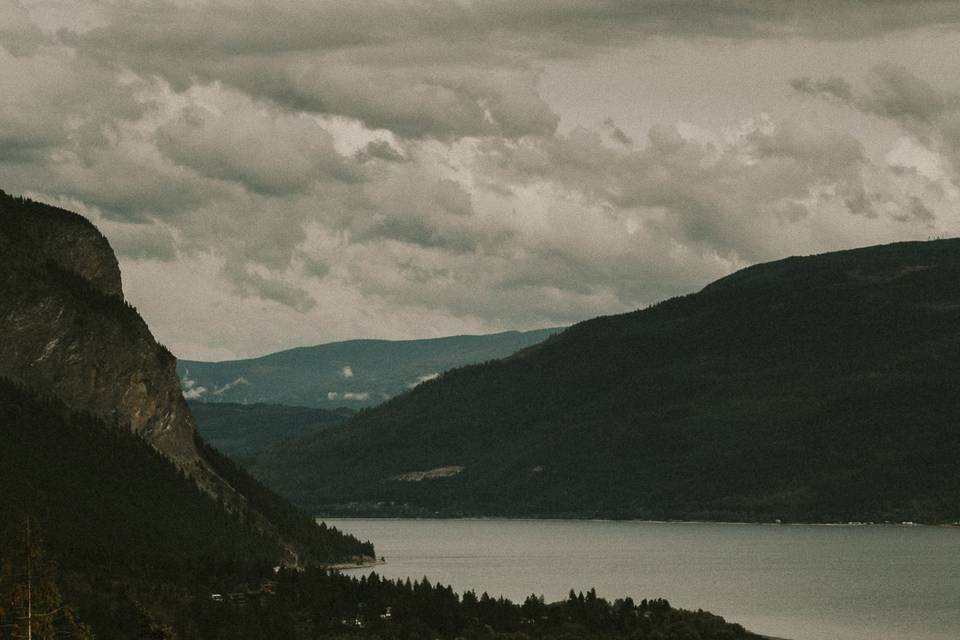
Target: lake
x=801, y=582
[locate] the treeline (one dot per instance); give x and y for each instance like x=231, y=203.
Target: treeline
x=316, y=603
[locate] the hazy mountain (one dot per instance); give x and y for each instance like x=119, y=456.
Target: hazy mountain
x=355, y=373
x=75, y=355
x=815, y=388
x=241, y=430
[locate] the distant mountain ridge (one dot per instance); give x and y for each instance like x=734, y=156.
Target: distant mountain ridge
x=821, y=388
x=353, y=373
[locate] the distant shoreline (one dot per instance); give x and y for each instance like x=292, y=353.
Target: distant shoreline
x=947, y=525
x=344, y=566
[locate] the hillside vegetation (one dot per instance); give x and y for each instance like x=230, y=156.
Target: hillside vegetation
x=818, y=389
x=242, y=430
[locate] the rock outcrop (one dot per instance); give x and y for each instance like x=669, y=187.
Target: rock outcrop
x=67, y=331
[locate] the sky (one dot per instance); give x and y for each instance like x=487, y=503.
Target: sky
x=277, y=174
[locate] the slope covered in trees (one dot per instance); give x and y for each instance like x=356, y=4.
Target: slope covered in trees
x=818, y=389
x=105, y=497
x=125, y=526
x=242, y=430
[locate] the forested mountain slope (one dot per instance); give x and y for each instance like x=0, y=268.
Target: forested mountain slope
x=243, y=430
x=820, y=388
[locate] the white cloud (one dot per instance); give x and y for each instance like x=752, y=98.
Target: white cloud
x=230, y=385
x=422, y=379
x=191, y=390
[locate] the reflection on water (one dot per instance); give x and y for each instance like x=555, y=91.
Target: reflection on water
x=798, y=582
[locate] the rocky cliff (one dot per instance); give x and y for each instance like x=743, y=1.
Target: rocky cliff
x=68, y=333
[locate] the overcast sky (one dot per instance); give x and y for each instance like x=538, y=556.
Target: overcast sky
x=275, y=174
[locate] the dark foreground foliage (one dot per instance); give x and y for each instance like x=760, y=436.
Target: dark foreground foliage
x=135, y=541
x=320, y=604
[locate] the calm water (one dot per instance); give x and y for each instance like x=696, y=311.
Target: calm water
x=795, y=582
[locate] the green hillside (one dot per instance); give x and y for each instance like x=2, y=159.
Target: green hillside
x=242, y=430
x=354, y=374
x=821, y=388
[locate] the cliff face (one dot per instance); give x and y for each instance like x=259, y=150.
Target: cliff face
x=67, y=331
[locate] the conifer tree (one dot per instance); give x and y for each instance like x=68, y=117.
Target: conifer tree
x=31, y=606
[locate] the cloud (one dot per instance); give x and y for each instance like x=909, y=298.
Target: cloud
x=269, y=153
x=191, y=390
x=249, y=282
x=617, y=133
x=141, y=241
x=835, y=88
x=930, y=114
x=424, y=378
x=440, y=69
x=723, y=200
x=19, y=34
x=381, y=150
x=230, y=385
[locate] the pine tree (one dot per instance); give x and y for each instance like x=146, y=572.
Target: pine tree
x=31, y=607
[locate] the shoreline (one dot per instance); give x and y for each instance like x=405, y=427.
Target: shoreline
x=346, y=566
x=905, y=525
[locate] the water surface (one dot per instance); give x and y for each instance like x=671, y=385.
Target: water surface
x=801, y=582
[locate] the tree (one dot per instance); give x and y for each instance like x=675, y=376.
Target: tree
x=31, y=607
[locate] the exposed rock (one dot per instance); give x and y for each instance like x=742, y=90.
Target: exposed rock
x=431, y=474
x=67, y=332
x=60, y=302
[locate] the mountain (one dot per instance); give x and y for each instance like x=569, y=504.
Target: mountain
x=242, y=430
x=75, y=355
x=817, y=388
x=355, y=374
